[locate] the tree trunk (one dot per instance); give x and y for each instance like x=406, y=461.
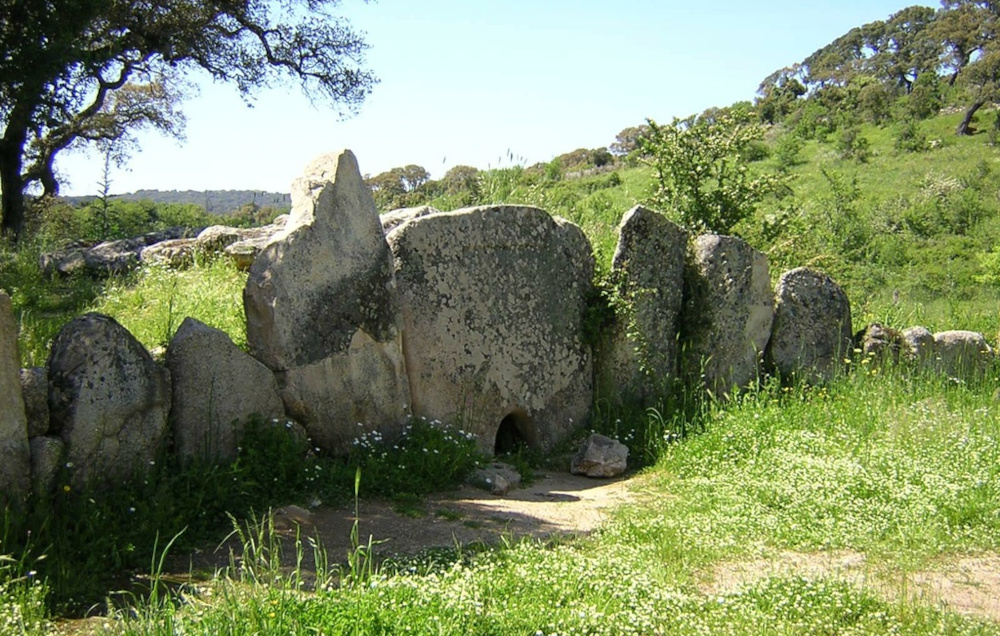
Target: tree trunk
x=12, y=184
x=964, y=128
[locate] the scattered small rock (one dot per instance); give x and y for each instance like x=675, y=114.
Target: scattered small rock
x=498, y=478
x=600, y=456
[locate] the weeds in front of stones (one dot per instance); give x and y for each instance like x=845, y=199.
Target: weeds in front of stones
x=90, y=538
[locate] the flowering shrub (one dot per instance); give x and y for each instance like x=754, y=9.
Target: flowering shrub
x=427, y=456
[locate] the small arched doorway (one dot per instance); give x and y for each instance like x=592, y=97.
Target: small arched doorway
x=516, y=431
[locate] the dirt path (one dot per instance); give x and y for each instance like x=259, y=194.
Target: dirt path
x=554, y=504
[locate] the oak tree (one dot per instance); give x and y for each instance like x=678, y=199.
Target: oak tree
x=75, y=71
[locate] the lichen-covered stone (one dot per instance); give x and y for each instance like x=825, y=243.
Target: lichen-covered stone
x=879, y=344
x=493, y=299
x=15, y=456
x=638, y=357
x=322, y=309
x=46, y=461
x=919, y=344
x=811, y=333
x=600, y=456
x=108, y=400
x=217, y=388
x=961, y=354
x=35, y=390
x=727, y=317
x=394, y=218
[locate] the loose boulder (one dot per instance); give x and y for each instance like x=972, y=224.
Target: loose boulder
x=110, y=257
x=108, y=400
x=600, y=456
x=217, y=388
x=879, y=344
x=727, y=317
x=919, y=343
x=15, y=455
x=323, y=313
x=811, y=333
x=174, y=253
x=961, y=354
x=497, y=478
x=638, y=357
x=493, y=299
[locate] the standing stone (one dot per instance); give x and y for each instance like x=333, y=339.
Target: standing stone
x=728, y=315
x=217, y=387
x=35, y=390
x=961, y=354
x=322, y=309
x=46, y=460
x=15, y=455
x=108, y=400
x=493, y=299
x=639, y=357
x=811, y=334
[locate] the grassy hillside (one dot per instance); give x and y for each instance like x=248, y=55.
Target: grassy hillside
x=909, y=234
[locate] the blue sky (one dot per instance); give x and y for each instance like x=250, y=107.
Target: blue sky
x=475, y=82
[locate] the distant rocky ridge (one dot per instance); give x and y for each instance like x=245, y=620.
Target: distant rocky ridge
x=214, y=201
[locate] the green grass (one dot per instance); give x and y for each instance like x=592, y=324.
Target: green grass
x=902, y=470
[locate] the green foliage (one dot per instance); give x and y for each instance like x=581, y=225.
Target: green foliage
x=788, y=152
x=851, y=144
x=900, y=471
x=909, y=138
x=153, y=301
x=926, y=98
x=702, y=172
x=427, y=457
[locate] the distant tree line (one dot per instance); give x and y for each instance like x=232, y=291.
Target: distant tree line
x=212, y=201
x=905, y=67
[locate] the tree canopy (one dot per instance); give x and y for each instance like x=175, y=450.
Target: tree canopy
x=77, y=71
x=868, y=68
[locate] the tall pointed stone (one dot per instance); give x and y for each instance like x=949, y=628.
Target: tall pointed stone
x=15, y=454
x=322, y=309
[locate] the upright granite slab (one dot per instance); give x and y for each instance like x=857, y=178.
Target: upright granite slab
x=492, y=301
x=811, y=335
x=638, y=356
x=15, y=454
x=322, y=309
x=217, y=388
x=108, y=400
x=728, y=313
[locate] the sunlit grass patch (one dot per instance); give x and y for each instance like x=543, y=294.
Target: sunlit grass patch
x=153, y=302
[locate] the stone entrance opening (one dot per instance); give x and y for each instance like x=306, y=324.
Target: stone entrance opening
x=516, y=431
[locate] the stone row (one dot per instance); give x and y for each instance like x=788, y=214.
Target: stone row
x=481, y=318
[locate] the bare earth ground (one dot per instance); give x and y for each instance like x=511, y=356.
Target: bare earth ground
x=555, y=504
x=560, y=504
